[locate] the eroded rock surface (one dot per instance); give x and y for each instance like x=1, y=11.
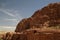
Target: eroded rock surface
x=47, y=16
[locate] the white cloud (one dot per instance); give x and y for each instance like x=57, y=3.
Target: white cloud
x=13, y=13
x=15, y=20
x=6, y=12
x=7, y=28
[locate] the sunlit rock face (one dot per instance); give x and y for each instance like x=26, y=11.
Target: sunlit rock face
x=46, y=17
x=36, y=35
x=32, y=28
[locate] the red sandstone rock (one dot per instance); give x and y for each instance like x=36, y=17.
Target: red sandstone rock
x=50, y=14
x=46, y=17
x=35, y=35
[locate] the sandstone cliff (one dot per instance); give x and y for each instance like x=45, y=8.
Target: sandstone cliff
x=32, y=28
x=45, y=17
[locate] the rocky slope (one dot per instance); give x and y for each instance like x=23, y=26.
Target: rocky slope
x=45, y=17
x=27, y=29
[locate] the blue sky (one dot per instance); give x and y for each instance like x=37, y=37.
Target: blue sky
x=12, y=11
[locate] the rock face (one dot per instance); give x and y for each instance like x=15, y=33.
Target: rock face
x=47, y=16
x=7, y=36
x=36, y=35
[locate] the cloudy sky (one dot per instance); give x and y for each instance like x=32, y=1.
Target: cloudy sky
x=12, y=11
